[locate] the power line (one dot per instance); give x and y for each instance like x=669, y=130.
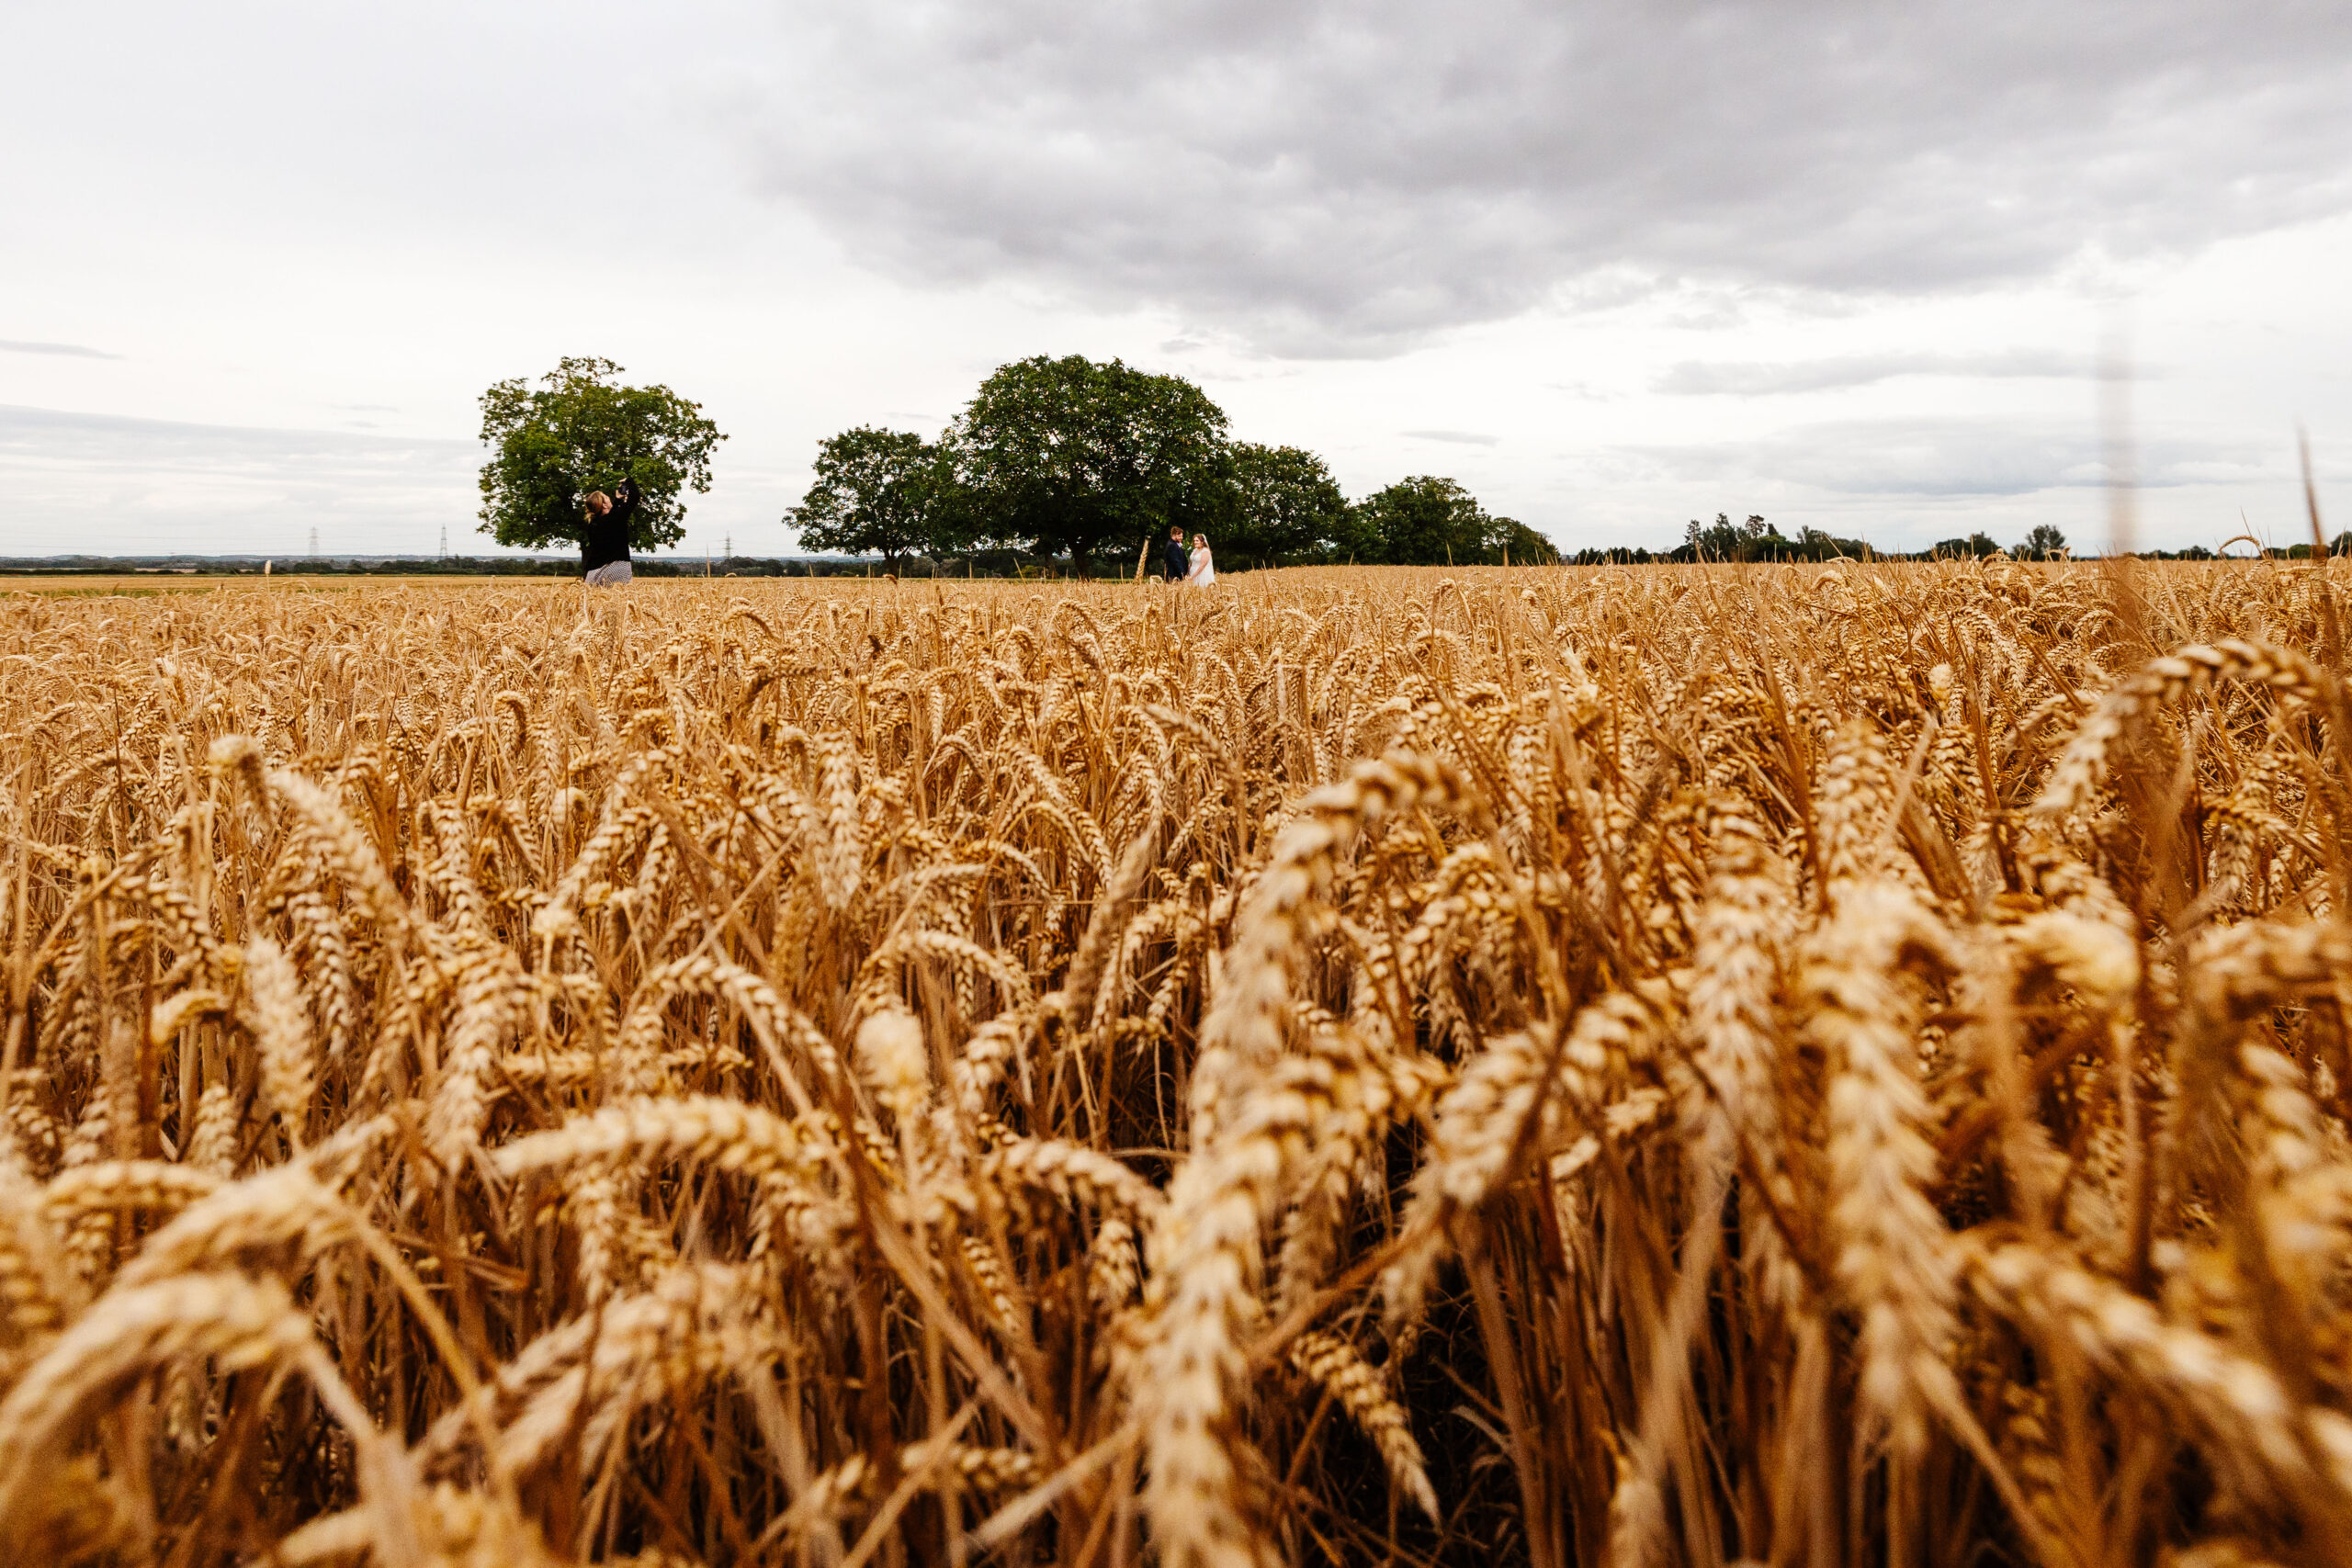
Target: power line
x=314, y=541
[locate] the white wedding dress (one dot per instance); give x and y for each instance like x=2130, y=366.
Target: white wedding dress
x=1203, y=572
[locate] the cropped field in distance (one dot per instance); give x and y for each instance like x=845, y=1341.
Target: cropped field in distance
x=1778, y=1065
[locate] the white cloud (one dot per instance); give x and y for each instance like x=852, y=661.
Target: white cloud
x=76, y=482
x=68, y=350
x=1699, y=377
x=1938, y=458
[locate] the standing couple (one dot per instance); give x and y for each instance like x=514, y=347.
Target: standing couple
x=1196, y=568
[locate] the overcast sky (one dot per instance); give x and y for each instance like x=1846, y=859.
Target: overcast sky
x=1856, y=266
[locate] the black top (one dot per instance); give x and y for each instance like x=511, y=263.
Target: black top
x=605, y=539
x=1177, y=560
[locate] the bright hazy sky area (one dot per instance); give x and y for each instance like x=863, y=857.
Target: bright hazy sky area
x=1851, y=266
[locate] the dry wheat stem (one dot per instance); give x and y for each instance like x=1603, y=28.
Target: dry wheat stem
x=732, y=1066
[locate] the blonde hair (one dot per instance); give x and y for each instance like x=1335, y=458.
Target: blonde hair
x=596, y=495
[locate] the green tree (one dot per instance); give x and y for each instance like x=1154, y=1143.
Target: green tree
x=1521, y=544
x=1423, y=521
x=1283, y=505
x=1062, y=456
x=1725, y=540
x=2045, y=542
x=1755, y=540
x=1978, y=545
x=885, y=492
x=582, y=431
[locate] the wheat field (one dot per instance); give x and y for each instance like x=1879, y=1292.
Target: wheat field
x=1823, y=1066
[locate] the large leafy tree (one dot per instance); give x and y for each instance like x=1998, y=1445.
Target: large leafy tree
x=1422, y=520
x=1064, y=456
x=1283, y=505
x=1521, y=544
x=1428, y=520
x=580, y=430
x=887, y=492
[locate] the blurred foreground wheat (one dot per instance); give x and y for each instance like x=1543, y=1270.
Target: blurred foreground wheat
x=1823, y=1066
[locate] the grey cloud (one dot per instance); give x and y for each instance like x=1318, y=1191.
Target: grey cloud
x=69, y=433
x=1460, y=438
x=1762, y=379
x=1957, y=458
x=71, y=350
x=72, y=479
x=1329, y=178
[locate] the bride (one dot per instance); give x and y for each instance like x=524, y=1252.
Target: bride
x=1203, y=572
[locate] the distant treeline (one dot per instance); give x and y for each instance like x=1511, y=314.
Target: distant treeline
x=1059, y=466
x=1068, y=465
x=429, y=566
x=1747, y=543
x=1757, y=540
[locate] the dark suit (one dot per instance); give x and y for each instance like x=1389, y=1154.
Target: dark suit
x=1175, y=560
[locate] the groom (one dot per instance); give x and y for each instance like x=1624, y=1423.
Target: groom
x=1175, y=561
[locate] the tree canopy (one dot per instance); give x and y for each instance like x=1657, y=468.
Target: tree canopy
x=1283, y=504
x=1065, y=455
x=1726, y=540
x=1755, y=539
x=1420, y=519
x=1523, y=546
x=1429, y=521
x=2043, y=542
x=885, y=492
x=1068, y=459
x=582, y=431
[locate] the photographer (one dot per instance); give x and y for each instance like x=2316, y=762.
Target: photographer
x=604, y=544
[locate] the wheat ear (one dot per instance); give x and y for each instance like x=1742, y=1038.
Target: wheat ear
x=1206, y=1248
x=238, y=1322
x=2082, y=767
x=281, y=1024
x=1333, y=1363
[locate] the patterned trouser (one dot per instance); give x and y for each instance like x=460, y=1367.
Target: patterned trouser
x=611, y=575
